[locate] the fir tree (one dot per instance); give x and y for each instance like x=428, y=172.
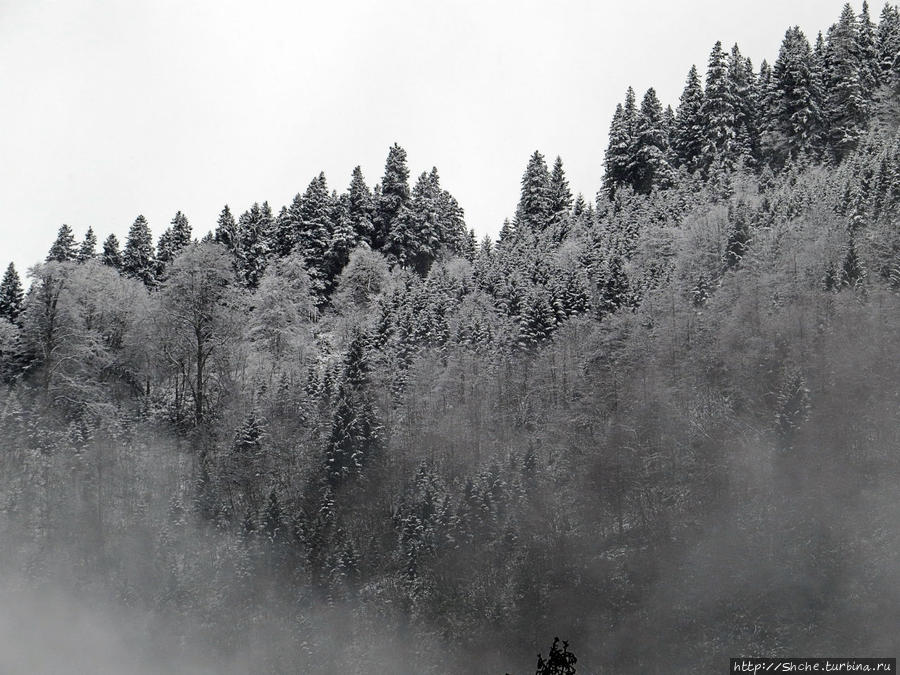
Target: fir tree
x=137, y=257
x=254, y=231
x=621, y=145
x=172, y=241
x=687, y=136
x=649, y=166
x=559, y=193
x=111, y=255
x=797, y=120
x=533, y=212
x=415, y=239
x=361, y=207
x=88, y=248
x=846, y=101
x=718, y=111
x=867, y=51
x=314, y=227
x=393, y=200
x=63, y=248
x=888, y=41
x=12, y=295
x=743, y=86
x=226, y=230
x=852, y=272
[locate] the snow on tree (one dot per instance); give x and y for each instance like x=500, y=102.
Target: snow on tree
x=137, y=257
x=393, y=198
x=687, y=136
x=254, y=231
x=361, y=207
x=88, y=248
x=226, y=230
x=718, y=110
x=649, y=165
x=63, y=248
x=111, y=255
x=533, y=212
x=12, y=295
x=559, y=193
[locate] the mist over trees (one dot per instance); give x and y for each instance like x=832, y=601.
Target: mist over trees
x=344, y=436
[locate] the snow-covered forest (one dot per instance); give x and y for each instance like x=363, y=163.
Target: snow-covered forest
x=343, y=435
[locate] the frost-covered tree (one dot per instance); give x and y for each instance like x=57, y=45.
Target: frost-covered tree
x=559, y=192
x=687, y=135
x=650, y=166
x=63, y=248
x=88, y=248
x=137, y=257
x=111, y=255
x=620, y=149
x=226, y=230
x=361, y=207
x=12, y=295
x=171, y=242
x=718, y=110
x=392, y=200
x=846, y=105
x=254, y=232
x=533, y=212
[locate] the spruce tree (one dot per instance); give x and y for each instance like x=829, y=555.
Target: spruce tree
x=533, y=211
x=226, y=230
x=718, y=111
x=88, y=248
x=619, y=151
x=415, y=239
x=12, y=295
x=743, y=86
x=172, y=241
x=797, y=105
x=137, y=257
x=344, y=237
x=687, y=136
x=649, y=166
x=254, y=231
x=314, y=228
x=852, y=272
x=846, y=105
x=63, y=248
x=888, y=41
x=111, y=255
x=560, y=194
x=867, y=52
x=361, y=207
x=393, y=198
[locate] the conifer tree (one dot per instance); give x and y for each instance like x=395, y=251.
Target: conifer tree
x=649, y=166
x=254, y=231
x=361, y=207
x=687, y=136
x=867, y=52
x=111, y=255
x=560, y=194
x=137, y=257
x=718, y=111
x=888, y=41
x=172, y=241
x=852, y=272
x=797, y=105
x=743, y=86
x=63, y=248
x=846, y=101
x=314, y=227
x=12, y=294
x=533, y=212
x=226, y=230
x=415, y=239
x=88, y=248
x=393, y=199
x=355, y=437
x=621, y=145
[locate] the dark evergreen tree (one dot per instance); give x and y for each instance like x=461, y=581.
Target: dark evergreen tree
x=12, y=295
x=88, y=248
x=559, y=193
x=560, y=661
x=746, y=119
x=172, y=241
x=533, y=212
x=852, y=272
x=888, y=41
x=649, y=166
x=254, y=232
x=416, y=237
x=361, y=208
x=111, y=255
x=314, y=228
x=227, y=230
x=718, y=111
x=687, y=136
x=739, y=236
x=867, y=51
x=846, y=105
x=392, y=202
x=614, y=291
x=137, y=257
x=797, y=120
x=63, y=248
x=621, y=145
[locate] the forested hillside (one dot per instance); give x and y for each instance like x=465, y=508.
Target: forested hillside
x=347, y=437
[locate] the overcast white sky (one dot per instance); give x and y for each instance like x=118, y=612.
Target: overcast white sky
x=111, y=109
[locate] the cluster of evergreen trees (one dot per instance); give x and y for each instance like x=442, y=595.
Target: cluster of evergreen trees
x=460, y=446
x=814, y=104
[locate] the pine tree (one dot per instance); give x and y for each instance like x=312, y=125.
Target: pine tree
x=718, y=111
x=63, y=248
x=361, y=207
x=172, y=241
x=355, y=437
x=415, y=239
x=560, y=195
x=888, y=41
x=254, y=232
x=392, y=202
x=746, y=119
x=314, y=227
x=533, y=212
x=537, y=322
x=649, y=166
x=797, y=106
x=846, y=102
x=739, y=237
x=226, y=230
x=614, y=290
x=619, y=152
x=687, y=136
x=111, y=255
x=137, y=257
x=867, y=52
x=88, y=248
x=12, y=295
x=852, y=272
